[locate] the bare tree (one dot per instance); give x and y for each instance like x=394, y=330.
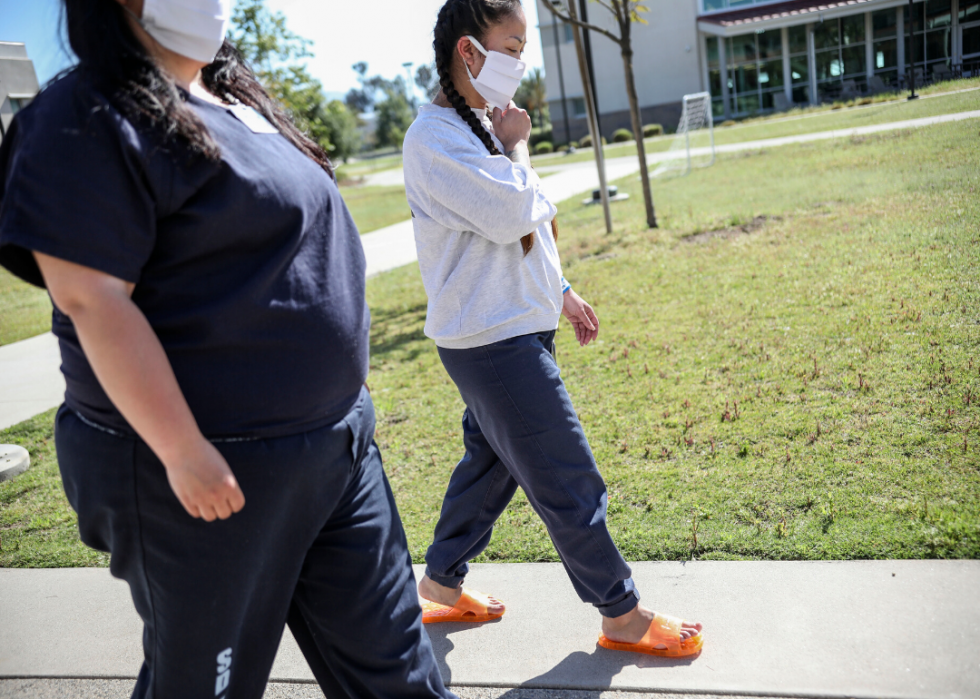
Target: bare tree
x=626, y=13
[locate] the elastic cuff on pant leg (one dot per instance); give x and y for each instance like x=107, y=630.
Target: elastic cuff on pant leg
x=623, y=606
x=453, y=581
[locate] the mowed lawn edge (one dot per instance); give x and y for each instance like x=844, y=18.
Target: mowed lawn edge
x=788, y=367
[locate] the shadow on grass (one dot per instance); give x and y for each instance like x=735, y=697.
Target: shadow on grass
x=394, y=329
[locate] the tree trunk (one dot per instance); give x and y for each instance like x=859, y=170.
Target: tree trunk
x=637, y=122
x=593, y=122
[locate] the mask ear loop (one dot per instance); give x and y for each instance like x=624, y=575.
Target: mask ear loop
x=479, y=47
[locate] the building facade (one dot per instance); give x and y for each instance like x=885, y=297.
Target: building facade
x=759, y=56
x=18, y=82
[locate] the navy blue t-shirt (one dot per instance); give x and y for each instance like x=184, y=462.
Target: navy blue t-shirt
x=249, y=269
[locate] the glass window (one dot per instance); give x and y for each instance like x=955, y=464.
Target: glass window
x=17, y=104
x=746, y=79
x=770, y=44
x=743, y=48
x=885, y=23
x=712, y=46
x=748, y=104
x=769, y=99
x=710, y=5
x=889, y=77
x=939, y=13
x=971, y=40
x=852, y=30
x=801, y=95
x=569, y=33
x=917, y=16
x=886, y=54
x=969, y=10
x=828, y=65
x=799, y=69
x=771, y=74
x=854, y=60
x=717, y=108
x=826, y=35
x=578, y=107
x=937, y=45
x=797, y=38
x=714, y=80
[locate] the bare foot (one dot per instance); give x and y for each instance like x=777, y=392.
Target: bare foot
x=630, y=627
x=449, y=596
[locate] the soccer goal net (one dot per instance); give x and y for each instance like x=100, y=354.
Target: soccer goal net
x=694, y=142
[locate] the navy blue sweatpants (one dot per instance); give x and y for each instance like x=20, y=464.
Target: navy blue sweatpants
x=318, y=544
x=520, y=429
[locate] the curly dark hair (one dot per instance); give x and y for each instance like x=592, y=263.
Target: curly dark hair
x=115, y=62
x=459, y=18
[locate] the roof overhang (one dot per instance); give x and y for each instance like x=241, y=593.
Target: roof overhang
x=786, y=14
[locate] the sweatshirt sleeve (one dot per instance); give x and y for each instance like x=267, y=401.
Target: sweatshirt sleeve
x=488, y=194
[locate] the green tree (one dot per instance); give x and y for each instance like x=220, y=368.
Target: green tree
x=533, y=97
x=276, y=54
x=395, y=115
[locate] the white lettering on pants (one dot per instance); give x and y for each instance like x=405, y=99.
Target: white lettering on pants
x=224, y=672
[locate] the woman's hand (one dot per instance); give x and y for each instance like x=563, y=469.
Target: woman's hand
x=581, y=316
x=204, y=483
x=130, y=364
x=512, y=126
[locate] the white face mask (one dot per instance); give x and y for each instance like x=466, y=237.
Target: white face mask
x=193, y=28
x=500, y=77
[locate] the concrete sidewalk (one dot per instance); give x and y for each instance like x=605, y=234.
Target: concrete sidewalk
x=815, y=629
x=30, y=379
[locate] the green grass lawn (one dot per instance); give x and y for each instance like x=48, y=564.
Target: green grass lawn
x=376, y=207
x=806, y=121
x=25, y=311
x=789, y=368
x=368, y=166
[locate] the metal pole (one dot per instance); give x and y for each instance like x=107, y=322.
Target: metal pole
x=588, y=59
x=561, y=84
x=590, y=110
x=912, y=95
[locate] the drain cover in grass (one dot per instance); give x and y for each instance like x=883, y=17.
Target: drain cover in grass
x=14, y=461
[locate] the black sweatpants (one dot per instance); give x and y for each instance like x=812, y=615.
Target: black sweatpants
x=318, y=544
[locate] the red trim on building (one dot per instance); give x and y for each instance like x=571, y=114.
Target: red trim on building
x=780, y=10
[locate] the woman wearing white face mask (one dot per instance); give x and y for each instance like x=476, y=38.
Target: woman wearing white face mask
x=486, y=243
x=209, y=291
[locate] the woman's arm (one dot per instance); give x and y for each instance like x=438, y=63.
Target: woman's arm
x=134, y=371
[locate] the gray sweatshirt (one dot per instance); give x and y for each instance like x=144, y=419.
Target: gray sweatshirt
x=470, y=210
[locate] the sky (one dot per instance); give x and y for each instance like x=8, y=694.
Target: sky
x=383, y=33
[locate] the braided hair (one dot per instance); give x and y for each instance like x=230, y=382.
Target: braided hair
x=459, y=18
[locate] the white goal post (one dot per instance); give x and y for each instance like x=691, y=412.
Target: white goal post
x=694, y=141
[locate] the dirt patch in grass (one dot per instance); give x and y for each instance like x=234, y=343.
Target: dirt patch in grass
x=756, y=224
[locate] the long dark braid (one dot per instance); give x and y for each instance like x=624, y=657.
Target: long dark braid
x=456, y=19
x=112, y=58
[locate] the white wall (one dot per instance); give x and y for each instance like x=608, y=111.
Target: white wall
x=665, y=56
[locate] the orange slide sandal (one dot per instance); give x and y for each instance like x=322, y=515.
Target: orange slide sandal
x=472, y=608
x=664, y=630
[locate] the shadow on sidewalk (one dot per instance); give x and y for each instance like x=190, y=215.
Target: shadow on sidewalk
x=588, y=674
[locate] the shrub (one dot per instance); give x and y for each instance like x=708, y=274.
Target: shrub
x=562, y=149
x=543, y=147
x=653, y=130
x=730, y=122
x=622, y=135
x=586, y=141
x=539, y=134
x=573, y=144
